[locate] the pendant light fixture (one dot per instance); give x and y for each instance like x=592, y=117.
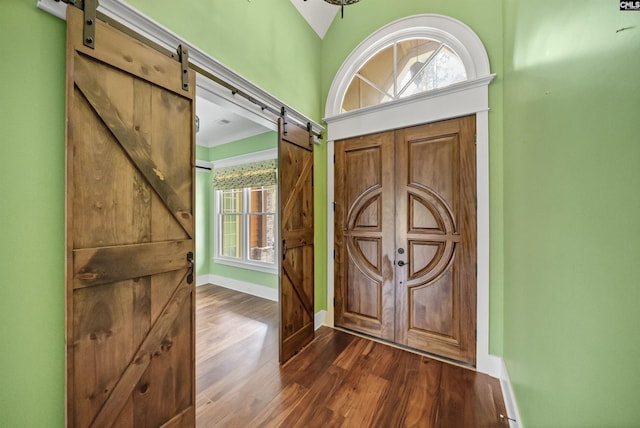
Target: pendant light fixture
x=341, y=3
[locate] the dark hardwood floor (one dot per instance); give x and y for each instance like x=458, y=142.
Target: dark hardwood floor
x=339, y=380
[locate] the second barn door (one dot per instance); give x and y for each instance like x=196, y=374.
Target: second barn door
x=295, y=181
x=405, y=237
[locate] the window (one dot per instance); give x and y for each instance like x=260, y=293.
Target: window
x=246, y=220
x=402, y=69
x=416, y=58
x=245, y=209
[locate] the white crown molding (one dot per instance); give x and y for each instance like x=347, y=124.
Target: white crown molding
x=55, y=8
x=154, y=31
x=203, y=163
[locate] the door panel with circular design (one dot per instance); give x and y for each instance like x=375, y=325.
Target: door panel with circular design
x=436, y=223
x=364, y=235
x=406, y=237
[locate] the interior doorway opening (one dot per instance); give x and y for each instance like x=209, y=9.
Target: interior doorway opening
x=236, y=252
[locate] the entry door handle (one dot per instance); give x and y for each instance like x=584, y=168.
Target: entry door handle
x=402, y=263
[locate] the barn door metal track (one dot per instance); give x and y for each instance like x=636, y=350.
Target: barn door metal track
x=89, y=7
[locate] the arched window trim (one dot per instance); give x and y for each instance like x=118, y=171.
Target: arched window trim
x=453, y=33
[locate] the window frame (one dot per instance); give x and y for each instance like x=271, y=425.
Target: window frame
x=244, y=262
x=396, y=91
x=456, y=35
x=245, y=214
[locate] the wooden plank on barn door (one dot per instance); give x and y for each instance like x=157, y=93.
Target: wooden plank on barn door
x=295, y=185
x=129, y=230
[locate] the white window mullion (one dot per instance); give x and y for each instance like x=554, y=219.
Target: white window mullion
x=422, y=68
x=395, y=70
x=245, y=224
x=242, y=256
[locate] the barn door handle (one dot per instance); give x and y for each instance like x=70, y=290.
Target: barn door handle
x=191, y=264
x=284, y=249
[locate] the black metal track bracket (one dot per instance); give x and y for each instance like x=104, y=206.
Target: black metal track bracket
x=90, y=9
x=89, y=31
x=183, y=54
x=283, y=113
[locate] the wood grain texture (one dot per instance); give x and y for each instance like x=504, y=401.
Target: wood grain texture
x=364, y=235
x=130, y=326
x=295, y=193
x=405, y=237
x=436, y=225
x=91, y=88
x=95, y=266
x=338, y=380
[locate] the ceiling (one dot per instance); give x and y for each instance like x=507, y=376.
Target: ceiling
x=219, y=126
x=317, y=13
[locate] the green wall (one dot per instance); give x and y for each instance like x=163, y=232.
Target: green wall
x=485, y=18
x=269, y=43
x=266, y=41
x=265, y=141
x=564, y=166
x=572, y=204
x=32, y=166
x=32, y=217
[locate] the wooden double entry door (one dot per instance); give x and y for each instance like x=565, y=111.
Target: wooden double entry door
x=405, y=237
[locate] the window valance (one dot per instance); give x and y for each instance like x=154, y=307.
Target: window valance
x=263, y=173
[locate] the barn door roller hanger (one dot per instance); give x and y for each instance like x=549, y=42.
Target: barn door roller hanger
x=89, y=7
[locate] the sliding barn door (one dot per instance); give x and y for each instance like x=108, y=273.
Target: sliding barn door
x=295, y=181
x=405, y=237
x=129, y=233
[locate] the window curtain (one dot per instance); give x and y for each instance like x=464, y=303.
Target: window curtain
x=247, y=175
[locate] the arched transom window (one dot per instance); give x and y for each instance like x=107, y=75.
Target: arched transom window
x=401, y=69
x=416, y=57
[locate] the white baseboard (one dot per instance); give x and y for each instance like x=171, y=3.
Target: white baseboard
x=509, y=398
x=203, y=280
x=255, y=290
x=489, y=364
x=242, y=286
x=318, y=319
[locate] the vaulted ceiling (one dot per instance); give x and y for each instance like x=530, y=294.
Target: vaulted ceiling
x=219, y=126
x=318, y=13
